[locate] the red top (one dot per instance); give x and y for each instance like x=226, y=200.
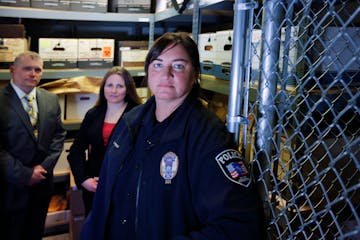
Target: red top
x=107, y=129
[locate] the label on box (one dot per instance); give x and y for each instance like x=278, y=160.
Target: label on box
x=95, y=49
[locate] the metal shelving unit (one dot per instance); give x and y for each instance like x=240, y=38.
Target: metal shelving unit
x=208, y=83
x=36, y=13
x=74, y=72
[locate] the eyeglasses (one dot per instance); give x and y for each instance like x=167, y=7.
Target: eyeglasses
x=178, y=66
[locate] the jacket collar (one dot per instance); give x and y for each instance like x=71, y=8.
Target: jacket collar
x=16, y=104
x=142, y=114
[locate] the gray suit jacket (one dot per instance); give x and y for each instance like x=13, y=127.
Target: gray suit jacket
x=19, y=149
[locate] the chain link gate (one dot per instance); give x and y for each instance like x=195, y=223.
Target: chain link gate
x=304, y=110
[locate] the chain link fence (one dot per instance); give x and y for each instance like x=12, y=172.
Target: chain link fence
x=303, y=138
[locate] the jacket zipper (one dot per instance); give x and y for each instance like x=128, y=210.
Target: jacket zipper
x=137, y=202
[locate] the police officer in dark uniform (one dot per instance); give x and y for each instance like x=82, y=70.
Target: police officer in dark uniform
x=172, y=170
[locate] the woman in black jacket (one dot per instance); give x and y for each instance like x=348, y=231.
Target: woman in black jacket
x=117, y=95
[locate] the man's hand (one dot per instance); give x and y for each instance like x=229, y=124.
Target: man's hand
x=90, y=184
x=38, y=175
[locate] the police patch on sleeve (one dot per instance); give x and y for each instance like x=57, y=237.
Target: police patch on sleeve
x=234, y=167
x=169, y=166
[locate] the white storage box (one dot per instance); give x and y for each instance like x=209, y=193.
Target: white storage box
x=51, y=4
x=132, y=57
x=132, y=6
x=292, y=57
x=255, y=49
x=206, y=46
x=78, y=104
x=59, y=52
x=62, y=166
x=89, y=5
x=162, y=5
x=144, y=93
x=223, y=54
x=255, y=53
x=15, y=3
x=57, y=218
x=96, y=52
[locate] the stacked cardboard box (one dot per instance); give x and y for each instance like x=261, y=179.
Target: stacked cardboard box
x=59, y=52
x=73, y=52
x=132, y=53
x=51, y=4
x=89, y=5
x=137, y=6
x=95, y=52
x=10, y=48
x=15, y=3
x=223, y=54
x=206, y=46
x=77, y=213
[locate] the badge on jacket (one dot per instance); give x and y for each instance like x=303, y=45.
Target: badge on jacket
x=234, y=167
x=169, y=166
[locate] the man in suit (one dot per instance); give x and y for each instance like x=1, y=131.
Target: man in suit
x=28, y=151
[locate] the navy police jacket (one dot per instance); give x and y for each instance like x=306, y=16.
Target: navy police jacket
x=189, y=182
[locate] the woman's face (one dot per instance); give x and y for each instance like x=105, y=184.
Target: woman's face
x=115, y=89
x=171, y=75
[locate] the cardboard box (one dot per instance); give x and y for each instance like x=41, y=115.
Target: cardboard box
x=132, y=57
x=292, y=45
x=144, y=93
x=57, y=218
x=132, y=6
x=59, y=52
x=10, y=48
x=15, y=3
x=78, y=104
x=62, y=166
x=162, y=5
x=95, y=52
x=255, y=53
x=255, y=49
x=89, y=5
x=12, y=31
x=132, y=53
x=133, y=44
x=342, y=48
x=223, y=54
x=76, y=223
x=76, y=202
x=206, y=46
x=51, y=4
